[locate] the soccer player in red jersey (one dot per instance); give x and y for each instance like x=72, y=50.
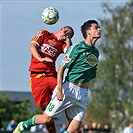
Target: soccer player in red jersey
x=45, y=47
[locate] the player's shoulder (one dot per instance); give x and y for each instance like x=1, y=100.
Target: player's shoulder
x=76, y=45
x=73, y=47
x=96, y=49
x=44, y=32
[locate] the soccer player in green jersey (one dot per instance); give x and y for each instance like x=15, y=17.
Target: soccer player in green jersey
x=71, y=95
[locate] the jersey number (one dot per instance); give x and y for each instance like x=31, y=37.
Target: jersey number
x=51, y=106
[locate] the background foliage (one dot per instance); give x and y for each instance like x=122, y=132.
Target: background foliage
x=112, y=90
x=17, y=111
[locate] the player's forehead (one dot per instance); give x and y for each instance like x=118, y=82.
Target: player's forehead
x=94, y=25
x=67, y=29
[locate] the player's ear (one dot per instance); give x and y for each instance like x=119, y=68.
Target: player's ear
x=62, y=28
x=88, y=32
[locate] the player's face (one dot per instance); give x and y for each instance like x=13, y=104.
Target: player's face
x=65, y=32
x=95, y=31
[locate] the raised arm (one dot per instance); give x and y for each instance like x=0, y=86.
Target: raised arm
x=68, y=41
x=33, y=49
x=60, y=74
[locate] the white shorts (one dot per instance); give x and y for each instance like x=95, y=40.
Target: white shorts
x=74, y=103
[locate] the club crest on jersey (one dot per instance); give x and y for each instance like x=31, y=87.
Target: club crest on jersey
x=66, y=59
x=91, y=59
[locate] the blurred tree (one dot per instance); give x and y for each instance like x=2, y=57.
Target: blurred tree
x=10, y=110
x=112, y=89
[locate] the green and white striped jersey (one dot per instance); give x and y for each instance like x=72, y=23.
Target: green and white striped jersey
x=81, y=60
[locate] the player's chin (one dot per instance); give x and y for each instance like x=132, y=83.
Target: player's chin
x=99, y=35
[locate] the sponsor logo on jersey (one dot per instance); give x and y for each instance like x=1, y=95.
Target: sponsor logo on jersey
x=49, y=50
x=66, y=59
x=91, y=59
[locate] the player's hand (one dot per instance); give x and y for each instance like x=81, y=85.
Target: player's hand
x=67, y=35
x=46, y=59
x=59, y=95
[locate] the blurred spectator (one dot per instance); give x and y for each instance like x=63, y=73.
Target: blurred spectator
x=94, y=127
x=99, y=128
x=63, y=127
x=39, y=128
x=128, y=129
x=11, y=126
x=106, y=129
x=33, y=129
x=90, y=131
x=85, y=128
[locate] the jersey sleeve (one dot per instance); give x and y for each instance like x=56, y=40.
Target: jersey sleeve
x=39, y=37
x=64, y=48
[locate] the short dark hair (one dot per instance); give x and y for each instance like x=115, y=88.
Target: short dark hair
x=86, y=26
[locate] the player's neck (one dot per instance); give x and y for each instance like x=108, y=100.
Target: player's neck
x=90, y=42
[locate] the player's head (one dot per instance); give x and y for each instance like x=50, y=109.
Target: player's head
x=88, y=26
x=64, y=33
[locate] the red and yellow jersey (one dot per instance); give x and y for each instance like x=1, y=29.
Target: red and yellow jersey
x=48, y=46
